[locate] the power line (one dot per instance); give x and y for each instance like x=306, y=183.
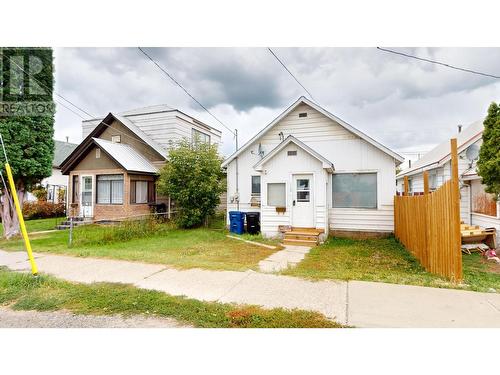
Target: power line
x=69, y=109
x=295, y=78
x=438, y=63
x=186, y=91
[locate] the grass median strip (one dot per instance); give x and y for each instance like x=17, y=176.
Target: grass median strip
x=23, y=292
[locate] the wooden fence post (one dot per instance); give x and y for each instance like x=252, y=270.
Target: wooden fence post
x=426, y=182
x=455, y=219
x=405, y=185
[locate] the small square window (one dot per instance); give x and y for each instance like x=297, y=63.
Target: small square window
x=303, y=114
x=116, y=138
x=292, y=153
x=97, y=153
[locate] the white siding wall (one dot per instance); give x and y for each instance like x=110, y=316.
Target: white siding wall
x=443, y=175
x=346, y=151
x=163, y=127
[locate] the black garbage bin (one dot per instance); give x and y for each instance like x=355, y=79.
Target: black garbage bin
x=253, y=222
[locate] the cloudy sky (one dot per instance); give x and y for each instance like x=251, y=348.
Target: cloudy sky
x=405, y=104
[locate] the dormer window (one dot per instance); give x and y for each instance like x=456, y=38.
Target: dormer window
x=116, y=138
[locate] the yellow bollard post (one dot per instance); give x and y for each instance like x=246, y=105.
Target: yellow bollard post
x=24, y=232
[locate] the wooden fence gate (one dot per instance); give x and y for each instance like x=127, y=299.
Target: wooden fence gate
x=428, y=225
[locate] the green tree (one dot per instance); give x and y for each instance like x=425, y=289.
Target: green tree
x=488, y=165
x=193, y=178
x=27, y=130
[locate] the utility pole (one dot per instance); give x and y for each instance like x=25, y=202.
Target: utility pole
x=237, y=173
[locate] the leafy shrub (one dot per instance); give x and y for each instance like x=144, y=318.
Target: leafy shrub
x=40, y=193
x=42, y=210
x=193, y=178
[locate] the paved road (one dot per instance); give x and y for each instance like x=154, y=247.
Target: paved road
x=61, y=319
x=357, y=303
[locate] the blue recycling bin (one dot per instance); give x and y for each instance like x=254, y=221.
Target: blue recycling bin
x=237, y=222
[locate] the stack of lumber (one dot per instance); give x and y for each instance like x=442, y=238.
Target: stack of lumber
x=474, y=234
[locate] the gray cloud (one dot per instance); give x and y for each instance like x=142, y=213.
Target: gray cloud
x=402, y=103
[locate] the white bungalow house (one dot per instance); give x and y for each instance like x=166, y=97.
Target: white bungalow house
x=476, y=206
x=310, y=169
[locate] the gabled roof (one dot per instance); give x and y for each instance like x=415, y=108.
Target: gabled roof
x=98, y=130
x=440, y=154
x=328, y=165
x=332, y=117
x=61, y=151
x=122, y=154
x=138, y=132
x=126, y=156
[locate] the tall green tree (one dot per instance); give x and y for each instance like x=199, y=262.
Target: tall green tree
x=26, y=123
x=488, y=165
x=193, y=178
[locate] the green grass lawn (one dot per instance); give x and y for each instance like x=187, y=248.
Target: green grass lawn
x=23, y=292
x=151, y=243
x=386, y=260
x=38, y=225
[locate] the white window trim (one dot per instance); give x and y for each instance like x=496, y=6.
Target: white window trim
x=286, y=192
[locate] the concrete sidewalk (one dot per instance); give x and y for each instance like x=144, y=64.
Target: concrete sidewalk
x=357, y=303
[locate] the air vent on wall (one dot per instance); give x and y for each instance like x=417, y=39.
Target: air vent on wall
x=292, y=153
x=303, y=114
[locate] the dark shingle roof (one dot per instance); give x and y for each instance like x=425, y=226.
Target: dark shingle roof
x=61, y=152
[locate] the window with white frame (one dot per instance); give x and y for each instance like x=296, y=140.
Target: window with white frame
x=110, y=189
x=255, y=186
x=354, y=190
x=198, y=136
x=276, y=194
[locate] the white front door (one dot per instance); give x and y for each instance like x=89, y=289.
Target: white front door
x=86, y=206
x=302, y=201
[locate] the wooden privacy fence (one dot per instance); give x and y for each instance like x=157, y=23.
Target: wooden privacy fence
x=428, y=225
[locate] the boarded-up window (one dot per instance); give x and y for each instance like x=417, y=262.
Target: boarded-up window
x=355, y=190
x=276, y=194
x=482, y=202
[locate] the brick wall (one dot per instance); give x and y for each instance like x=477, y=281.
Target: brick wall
x=107, y=211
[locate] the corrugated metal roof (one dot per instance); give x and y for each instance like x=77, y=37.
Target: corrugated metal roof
x=441, y=152
x=126, y=156
x=62, y=151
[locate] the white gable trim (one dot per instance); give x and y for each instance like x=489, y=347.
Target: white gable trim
x=328, y=165
x=138, y=132
x=332, y=117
